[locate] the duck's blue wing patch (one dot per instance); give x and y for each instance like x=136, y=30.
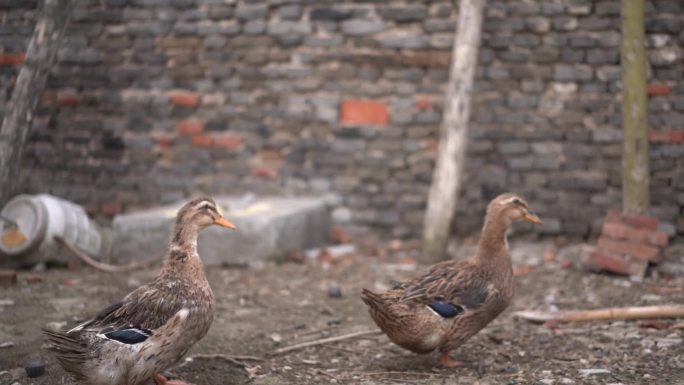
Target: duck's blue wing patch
x=445, y=309
x=129, y=336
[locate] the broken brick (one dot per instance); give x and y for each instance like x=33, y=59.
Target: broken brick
x=597, y=259
x=111, y=208
x=618, y=231
x=640, y=221
x=638, y=250
x=8, y=277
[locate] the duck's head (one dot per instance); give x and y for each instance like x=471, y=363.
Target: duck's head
x=200, y=213
x=511, y=208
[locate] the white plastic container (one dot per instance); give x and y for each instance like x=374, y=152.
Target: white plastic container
x=40, y=218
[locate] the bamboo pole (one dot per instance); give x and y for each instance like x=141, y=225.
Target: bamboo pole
x=614, y=313
x=635, y=167
x=446, y=178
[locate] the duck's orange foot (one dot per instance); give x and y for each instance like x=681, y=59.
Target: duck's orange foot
x=448, y=362
x=161, y=380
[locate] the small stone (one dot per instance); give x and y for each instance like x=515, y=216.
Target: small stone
x=335, y=292
x=6, y=344
x=275, y=337
x=35, y=368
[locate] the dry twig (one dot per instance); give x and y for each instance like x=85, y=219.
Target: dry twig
x=233, y=359
x=324, y=341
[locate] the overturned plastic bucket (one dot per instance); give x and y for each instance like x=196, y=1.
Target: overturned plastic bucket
x=40, y=218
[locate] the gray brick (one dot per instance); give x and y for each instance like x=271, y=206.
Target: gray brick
x=404, y=13
x=439, y=25
x=356, y=27
x=403, y=41
x=254, y=27
x=602, y=56
x=512, y=147
x=564, y=72
x=608, y=8
x=593, y=23
x=290, y=12
x=526, y=40
x=251, y=11
x=289, y=28
x=552, y=8
x=538, y=24
x=330, y=13
x=564, y=23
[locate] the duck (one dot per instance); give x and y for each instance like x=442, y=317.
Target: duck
x=135, y=339
x=453, y=300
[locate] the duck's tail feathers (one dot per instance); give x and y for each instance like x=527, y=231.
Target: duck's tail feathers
x=371, y=299
x=69, y=350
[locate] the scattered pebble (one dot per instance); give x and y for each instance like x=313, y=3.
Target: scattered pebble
x=275, y=337
x=6, y=302
x=6, y=344
x=335, y=292
x=35, y=368
x=589, y=372
x=56, y=325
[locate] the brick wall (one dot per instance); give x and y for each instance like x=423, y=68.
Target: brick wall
x=153, y=100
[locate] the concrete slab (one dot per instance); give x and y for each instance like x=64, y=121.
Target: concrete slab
x=267, y=228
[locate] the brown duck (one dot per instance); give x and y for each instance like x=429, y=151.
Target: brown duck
x=454, y=299
x=132, y=341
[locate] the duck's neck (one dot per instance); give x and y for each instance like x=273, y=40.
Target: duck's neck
x=183, y=248
x=493, y=244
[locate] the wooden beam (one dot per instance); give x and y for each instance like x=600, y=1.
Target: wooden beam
x=447, y=175
x=40, y=57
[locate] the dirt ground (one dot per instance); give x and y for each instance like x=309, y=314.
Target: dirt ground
x=262, y=309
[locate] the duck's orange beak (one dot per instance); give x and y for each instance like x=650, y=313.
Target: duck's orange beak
x=221, y=221
x=532, y=218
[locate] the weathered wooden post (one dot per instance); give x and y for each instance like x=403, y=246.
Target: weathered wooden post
x=40, y=57
x=635, y=168
x=446, y=178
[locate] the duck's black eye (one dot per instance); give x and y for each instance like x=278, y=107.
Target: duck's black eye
x=518, y=202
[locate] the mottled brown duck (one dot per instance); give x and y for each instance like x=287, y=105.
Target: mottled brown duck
x=455, y=299
x=134, y=340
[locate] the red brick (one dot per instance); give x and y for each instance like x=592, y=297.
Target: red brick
x=163, y=142
x=229, y=142
x=68, y=98
x=8, y=277
x=190, y=127
x=423, y=104
x=617, y=230
x=184, y=98
x=597, y=259
x=655, y=89
x=364, y=112
x=111, y=208
x=639, y=221
x=202, y=141
x=10, y=59
x=48, y=98
x=635, y=249
x=264, y=172
x=670, y=137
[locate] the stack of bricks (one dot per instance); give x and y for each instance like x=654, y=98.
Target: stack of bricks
x=628, y=243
